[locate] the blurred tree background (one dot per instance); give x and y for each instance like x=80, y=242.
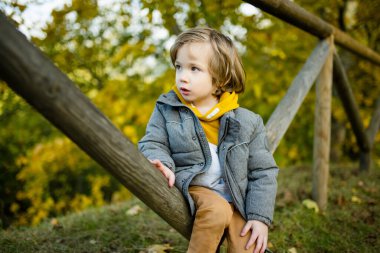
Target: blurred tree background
x=117, y=52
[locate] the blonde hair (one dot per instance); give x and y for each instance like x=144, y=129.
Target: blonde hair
x=225, y=65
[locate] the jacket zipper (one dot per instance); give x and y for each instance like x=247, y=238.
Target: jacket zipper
x=224, y=132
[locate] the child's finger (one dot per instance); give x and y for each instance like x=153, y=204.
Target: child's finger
x=246, y=228
x=154, y=162
x=171, y=180
x=259, y=245
x=265, y=244
x=164, y=172
x=252, y=240
x=158, y=164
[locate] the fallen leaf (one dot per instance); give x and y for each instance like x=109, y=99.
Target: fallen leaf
x=133, y=210
x=158, y=248
x=292, y=250
x=310, y=204
x=55, y=223
x=356, y=199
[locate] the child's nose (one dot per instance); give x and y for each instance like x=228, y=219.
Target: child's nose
x=183, y=76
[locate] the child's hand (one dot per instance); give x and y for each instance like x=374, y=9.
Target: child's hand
x=165, y=171
x=259, y=235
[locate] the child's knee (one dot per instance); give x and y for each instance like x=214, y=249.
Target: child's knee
x=217, y=216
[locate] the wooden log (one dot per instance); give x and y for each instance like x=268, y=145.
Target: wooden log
x=295, y=15
x=322, y=130
x=374, y=125
x=371, y=131
x=285, y=111
x=30, y=74
x=345, y=94
x=365, y=160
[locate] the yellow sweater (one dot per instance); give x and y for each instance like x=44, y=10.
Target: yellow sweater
x=210, y=120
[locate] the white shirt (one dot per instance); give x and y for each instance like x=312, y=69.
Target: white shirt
x=213, y=177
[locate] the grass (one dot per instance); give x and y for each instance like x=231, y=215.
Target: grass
x=107, y=229
x=350, y=224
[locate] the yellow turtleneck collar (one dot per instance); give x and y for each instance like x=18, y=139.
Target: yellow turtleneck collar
x=210, y=120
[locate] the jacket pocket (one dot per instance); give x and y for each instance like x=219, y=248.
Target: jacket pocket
x=237, y=157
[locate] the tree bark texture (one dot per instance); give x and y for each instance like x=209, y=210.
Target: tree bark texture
x=322, y=130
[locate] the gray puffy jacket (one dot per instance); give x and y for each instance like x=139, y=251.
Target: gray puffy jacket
x=174, y=136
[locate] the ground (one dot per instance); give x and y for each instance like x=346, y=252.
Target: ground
x=351, y=222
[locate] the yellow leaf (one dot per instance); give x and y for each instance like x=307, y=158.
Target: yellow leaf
x=159, y=248
x=356, y=199
x=134, y=210
x=292, y=250
x=54, y=222
x=310, y=204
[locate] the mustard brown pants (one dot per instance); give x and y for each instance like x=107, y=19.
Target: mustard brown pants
x=215, y=218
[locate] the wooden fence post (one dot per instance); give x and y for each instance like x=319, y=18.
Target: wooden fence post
x=371, y=131
x=374, y=125
x=322, y=130
x=346, y=95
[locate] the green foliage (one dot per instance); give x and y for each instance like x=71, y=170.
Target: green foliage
x=118, y=56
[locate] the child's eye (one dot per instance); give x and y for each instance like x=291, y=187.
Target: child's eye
x=194, y=69
x=178, y=67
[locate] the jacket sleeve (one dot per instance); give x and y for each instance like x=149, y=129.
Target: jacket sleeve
x=155, y=143
x=262, y=174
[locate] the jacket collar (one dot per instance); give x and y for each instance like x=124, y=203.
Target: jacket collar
x=171, y=99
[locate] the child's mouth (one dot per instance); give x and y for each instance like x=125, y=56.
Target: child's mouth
x=184, y=91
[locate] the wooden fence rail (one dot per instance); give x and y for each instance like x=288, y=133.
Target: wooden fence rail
x=294, y=14
x=31, y=75
x=351, y=108
x=285, y=111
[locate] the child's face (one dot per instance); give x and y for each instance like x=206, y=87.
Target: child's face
x=193, y=78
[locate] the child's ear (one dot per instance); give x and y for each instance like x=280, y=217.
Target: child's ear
x=218, y=91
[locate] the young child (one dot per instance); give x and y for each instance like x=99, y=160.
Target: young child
x=215, y=152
